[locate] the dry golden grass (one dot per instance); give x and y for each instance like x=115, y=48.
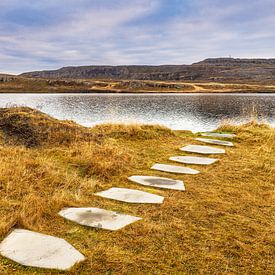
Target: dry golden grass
x=35, y=85
x=25, y=126
x=131, y=131
x=222, y=224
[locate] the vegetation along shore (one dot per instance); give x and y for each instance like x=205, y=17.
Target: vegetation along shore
x=212, y=75
x=222, y=223
x=14, y=84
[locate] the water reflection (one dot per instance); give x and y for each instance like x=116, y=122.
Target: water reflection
x=196, y=112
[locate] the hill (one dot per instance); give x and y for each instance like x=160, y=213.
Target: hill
x=227, y=70
x=6, y=77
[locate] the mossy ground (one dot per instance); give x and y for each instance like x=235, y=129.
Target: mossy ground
x=222, y=223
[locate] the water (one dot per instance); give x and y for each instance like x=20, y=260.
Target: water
x=195, y=112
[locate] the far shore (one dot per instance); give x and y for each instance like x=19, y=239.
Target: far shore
x=34, y=85
x=131, y=92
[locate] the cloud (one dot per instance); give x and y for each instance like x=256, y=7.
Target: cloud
x=50, y=34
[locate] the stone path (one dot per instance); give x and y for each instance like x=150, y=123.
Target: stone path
x=174, y=169
x=218, y=135
x=207, y=150
x=158, y=182
x=130, y=195
x=193, y=160
x=38, y=250
x=215, y=141
x=99, y=218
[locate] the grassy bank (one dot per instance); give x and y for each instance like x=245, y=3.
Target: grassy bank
x=222, y=223
x=36, y=85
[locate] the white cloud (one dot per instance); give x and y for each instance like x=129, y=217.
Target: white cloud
x=105, y=34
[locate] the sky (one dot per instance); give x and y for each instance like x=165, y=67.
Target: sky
x=49, y=34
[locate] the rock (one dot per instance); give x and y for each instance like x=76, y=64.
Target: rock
x=38, y=250
x=202, y=149
x=158, y=182
x=130, y=195
x=193, y=160
x=174, y=169
x=215, y=141
x=218, y=135
x=99, y=218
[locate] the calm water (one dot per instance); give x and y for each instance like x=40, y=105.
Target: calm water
x=182, y=111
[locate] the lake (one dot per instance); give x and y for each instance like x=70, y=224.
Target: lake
x=195, y=112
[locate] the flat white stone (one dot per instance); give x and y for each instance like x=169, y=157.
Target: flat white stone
x=130, y=195
x=219, y=135
x=174, y=169
x=193, y=160
x=159, y=182
x=99, y=218
x=38, y=250
x=207, y=150
x=215, y=141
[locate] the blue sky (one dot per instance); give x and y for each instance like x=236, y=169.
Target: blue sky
x=48, y=34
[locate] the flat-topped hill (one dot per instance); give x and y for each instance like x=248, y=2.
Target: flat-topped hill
x=236, y=61
x=212, y=69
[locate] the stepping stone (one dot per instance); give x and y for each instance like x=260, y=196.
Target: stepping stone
x=193, y=160
x=215, y=141
x=130, y=195
x=99, y=218
x=219, y=135
x=38, y=250
x=207, y=150
x=174, y=169
x=158, y=182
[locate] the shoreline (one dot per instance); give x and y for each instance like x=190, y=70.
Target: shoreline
x=138, y=92
x=34, y=85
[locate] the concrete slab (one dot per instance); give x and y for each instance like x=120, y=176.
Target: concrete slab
x=193, y=160
x=158, y=182
x=99, y=218
x=218, y=135
x=174, y=169
x=38, y=250
x=207, y=150
x=216, y=141
x=130, y=195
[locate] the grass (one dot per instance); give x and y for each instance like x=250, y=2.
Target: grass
x=223, y=223
x=17, y=84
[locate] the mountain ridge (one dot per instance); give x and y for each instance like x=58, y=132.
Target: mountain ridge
x=210, y=69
